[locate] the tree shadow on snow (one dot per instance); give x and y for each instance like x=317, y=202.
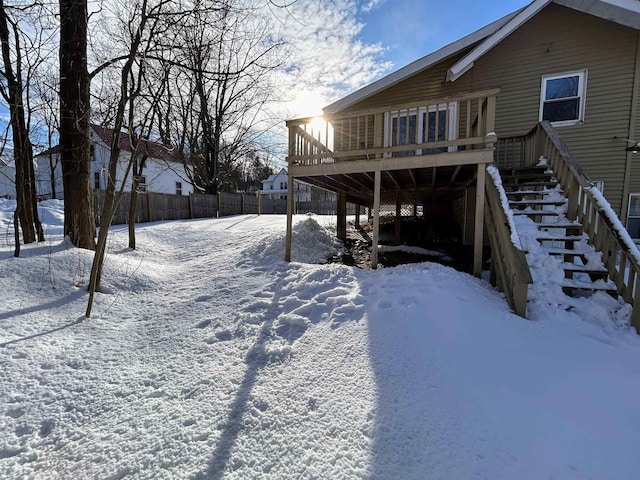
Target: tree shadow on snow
x=258, y=357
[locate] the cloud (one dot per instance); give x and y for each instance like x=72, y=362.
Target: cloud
x=370, y=5
x=328, y=57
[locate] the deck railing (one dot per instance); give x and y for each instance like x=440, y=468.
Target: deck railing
x=509, y=268
x=434, y=125
x=586, y=204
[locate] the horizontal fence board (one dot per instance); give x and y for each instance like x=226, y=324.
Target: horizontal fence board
x=153, y=207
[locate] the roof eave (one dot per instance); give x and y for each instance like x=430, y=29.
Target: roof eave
x=417, y=66
x=466, y=63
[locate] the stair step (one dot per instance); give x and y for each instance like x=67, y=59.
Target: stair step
x=594, y=273
x=524, y=170
x=559, y=238
x=537, y=213
x=521, y=193
x=563, y=251
x=527, y=177
x=572, y=267
x=560, y=225
x=543, y=202
x=570, y=287
x=531, y=185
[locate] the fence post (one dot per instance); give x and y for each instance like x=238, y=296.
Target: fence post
x=259, y=202
x=149, y=209
x=242, y=204
x=219, y=205
x=190, y=207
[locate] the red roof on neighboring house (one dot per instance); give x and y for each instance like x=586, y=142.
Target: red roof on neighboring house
x=152, y=149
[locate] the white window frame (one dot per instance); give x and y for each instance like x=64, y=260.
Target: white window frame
x=582, y=94
x=631, y=195
x=419, y=112
x=599, y=185
x=142, y=185
x=178, y=188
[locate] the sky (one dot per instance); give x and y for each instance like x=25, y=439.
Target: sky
x=343, y=45
x=209, y=357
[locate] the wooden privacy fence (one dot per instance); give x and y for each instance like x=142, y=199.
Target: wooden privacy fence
x=153, y=207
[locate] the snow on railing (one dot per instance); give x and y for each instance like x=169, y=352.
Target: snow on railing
x=587, y=204
x=510, y=270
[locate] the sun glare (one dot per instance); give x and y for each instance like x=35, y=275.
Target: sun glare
x=318, y=124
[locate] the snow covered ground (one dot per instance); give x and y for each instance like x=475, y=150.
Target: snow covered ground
x=209, y=357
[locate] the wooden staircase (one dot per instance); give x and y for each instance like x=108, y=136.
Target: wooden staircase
x=539, y=207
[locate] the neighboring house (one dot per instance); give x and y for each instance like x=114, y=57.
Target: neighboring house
x=164, y=170
x=425, y=134
x=7, y=178
x=275, y=187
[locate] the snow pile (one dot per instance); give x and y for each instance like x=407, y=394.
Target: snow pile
x=213, y=358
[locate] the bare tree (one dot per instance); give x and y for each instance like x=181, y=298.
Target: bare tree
x=14, y=90
x=222, y=86
x=79, y=222
x=144, y=24
x=46, y=89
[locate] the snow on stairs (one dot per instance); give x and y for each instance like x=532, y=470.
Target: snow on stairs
x=539, y=207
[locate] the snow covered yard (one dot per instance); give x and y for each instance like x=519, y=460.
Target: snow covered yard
x=209, y=357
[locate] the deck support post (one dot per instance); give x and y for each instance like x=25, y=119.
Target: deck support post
x=398, y=220
x=479, y=221
x=341, y=224
x=357, y=220
x=290, y=200
x=376, y=219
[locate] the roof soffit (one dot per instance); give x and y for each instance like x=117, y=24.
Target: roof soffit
x=623, y=12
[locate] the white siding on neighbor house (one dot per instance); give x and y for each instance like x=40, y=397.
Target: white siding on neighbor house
x=161, y=176
x=7, y=181
x=276, y=187
x=43, y=176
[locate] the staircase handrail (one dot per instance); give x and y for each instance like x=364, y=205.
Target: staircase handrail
x=620, y=255
x=509, y=267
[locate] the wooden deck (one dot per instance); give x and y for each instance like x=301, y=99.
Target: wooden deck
x=419, y=153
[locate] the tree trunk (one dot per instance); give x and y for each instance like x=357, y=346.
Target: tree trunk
x=79, y=222
x=27, y=206
x=133, y=208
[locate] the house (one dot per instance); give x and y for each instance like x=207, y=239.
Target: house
x=275, y=187
x=7, y=178
x=164, y=170
x=557, y=80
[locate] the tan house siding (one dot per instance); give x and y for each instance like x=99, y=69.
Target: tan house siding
x=424, y=85
x=555, y=41
x=634, y=178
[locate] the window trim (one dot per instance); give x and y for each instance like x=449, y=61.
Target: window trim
x=629, y=216
x=582, y=95
x=142, y=184
x=178, y=188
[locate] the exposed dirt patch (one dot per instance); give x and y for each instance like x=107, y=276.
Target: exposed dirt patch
x=358, y=251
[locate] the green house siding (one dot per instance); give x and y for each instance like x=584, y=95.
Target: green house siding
x=555, y=41
x=427, y=84
x=560, y=40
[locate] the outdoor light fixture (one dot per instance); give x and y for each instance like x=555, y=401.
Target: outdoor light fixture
x=635, y=148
